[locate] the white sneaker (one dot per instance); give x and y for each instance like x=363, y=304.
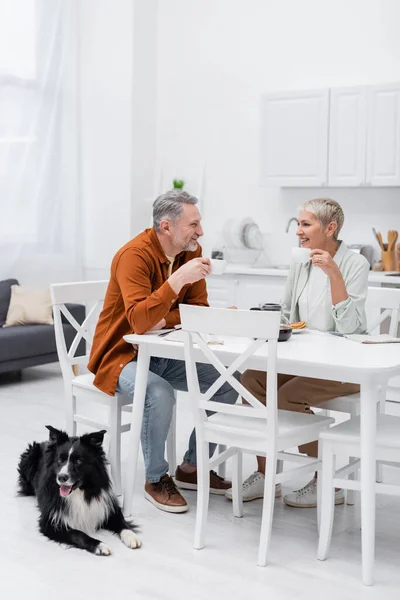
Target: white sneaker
x=253, y=488
x=306, y=497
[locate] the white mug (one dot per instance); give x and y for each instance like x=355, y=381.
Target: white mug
x=217, y=266
x=300, y=255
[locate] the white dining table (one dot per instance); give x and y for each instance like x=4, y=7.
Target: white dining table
x=307, y=354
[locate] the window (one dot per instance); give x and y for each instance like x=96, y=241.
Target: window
x=17, y=38
x=18, y=105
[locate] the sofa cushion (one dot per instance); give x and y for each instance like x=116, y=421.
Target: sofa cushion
x=29, y=306
x=22, y=341
x=5, y=295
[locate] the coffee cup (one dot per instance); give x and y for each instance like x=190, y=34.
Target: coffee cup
x=217, y=266
x=300, y=255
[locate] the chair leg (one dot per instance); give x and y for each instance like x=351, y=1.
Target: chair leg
x=115, y=445
x=351, y=494
x=319, y=486
x=222, y=466
x=382, y=410
x=327, y=500
x=268, y=509
x=71, y=412
x=237, y=489
x=139, y=395
x=171, y=442
x=203, y=494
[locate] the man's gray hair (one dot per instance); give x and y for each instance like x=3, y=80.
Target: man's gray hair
x=326, y=210
x=170, y=206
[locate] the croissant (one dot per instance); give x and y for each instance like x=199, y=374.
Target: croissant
x=299, y=325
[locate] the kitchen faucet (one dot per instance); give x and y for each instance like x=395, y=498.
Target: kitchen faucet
x=289, y=224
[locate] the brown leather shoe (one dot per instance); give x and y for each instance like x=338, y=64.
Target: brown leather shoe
x=165, y=496
x=188, y=481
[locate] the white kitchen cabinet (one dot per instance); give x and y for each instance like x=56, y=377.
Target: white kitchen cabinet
x=383, y=153
x=344, y=137
x=243, y=291
x=294, y=138
x=254, y=290
x=222, y=290
x=347, y=136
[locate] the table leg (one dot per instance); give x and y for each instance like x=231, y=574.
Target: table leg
x=367, y=479
x=139, y=396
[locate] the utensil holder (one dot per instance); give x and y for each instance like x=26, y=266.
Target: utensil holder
x=388, y=260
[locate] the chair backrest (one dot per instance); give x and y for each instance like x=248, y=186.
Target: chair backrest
x=258, y=328
x=90, y=293
x=383, y=303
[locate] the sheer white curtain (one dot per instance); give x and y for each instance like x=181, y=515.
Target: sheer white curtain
x=40, y=241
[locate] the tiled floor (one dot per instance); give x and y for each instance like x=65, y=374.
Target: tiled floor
x=167, y=567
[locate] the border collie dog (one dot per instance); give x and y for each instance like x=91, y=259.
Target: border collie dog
x=68, y=475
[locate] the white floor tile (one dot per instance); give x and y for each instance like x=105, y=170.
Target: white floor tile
x=167, y=567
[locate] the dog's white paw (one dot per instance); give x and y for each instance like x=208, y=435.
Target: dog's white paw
x=130, y=539
x=103, y=550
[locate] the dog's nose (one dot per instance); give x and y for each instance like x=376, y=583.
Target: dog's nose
x=63, y=477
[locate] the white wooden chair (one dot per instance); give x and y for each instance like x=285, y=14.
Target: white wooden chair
x=80, y=387
x=382, y=303
x=386, y=303
x=252, y=428
x=345, y=438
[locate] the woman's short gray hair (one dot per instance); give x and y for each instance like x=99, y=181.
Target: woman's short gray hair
x=170, y=206
x=326, y=210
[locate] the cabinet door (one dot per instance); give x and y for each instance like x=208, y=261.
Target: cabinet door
x=254, y=290
x=347, y=136
x=294, y=138
x=221, y=291
x=383, y=153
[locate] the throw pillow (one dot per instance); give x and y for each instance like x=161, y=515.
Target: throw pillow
x=29, y=306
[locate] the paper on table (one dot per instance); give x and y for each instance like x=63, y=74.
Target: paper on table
x=178, y=336
x=382, y=338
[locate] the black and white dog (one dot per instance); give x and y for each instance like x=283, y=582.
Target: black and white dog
x=68, y=475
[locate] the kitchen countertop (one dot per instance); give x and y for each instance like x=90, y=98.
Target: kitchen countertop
x=238, y=269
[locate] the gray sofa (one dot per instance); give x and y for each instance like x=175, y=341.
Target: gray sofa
x=24, y=346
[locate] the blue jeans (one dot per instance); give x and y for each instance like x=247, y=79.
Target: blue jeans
x=165, y=376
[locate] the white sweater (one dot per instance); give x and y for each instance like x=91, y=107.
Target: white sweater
x=345, y=317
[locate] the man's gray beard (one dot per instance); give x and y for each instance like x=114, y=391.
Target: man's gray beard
x=191, y=247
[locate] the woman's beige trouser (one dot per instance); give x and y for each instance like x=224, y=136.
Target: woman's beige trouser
x=298, y=394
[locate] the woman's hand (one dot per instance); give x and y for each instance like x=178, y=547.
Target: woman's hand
x=323, y=260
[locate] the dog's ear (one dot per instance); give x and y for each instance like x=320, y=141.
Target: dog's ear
x=94, y=439
x=56, y=436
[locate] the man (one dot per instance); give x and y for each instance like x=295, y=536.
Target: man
x=150, y=276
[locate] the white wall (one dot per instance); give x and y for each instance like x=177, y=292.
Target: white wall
x=144, y=112
x=178, y=81
x=106, y=58
x=118, y=62
x=217, y=57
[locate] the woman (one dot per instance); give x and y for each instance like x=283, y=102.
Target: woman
x=328, y=292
